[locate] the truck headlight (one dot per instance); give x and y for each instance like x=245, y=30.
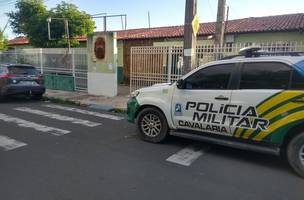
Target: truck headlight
x=134, y=94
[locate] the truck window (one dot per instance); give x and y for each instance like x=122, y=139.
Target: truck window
x=211, y=78
x=297, y=82
x=265, y=75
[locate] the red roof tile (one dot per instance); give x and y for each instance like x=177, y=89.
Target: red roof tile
x=289, y=22
x=81, y=38
x=18, y=41
x=22, y=40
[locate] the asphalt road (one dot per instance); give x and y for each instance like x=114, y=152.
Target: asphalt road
x=61, y=154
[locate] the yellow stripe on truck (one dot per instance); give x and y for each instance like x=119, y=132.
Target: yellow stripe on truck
x=276, y=100
x=284, y=121
x=284, y=96
x=238, y=132
x=282, y=110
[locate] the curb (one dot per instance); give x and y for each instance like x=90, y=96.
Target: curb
x=94, y=105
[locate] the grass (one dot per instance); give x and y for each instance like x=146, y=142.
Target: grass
x=61, y=101
x=119, y=110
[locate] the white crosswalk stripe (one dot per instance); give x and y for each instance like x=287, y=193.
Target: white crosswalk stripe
x=186, y=156
x=33, y=125
x=9, y=144
x=58, y=117
x=86, y=112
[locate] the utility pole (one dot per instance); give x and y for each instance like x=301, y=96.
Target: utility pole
x=2, y=31
x=149, y=20
x=220, y=23
x=227, y=19
x=189, y=36
x=67, y=32
x=66, y=29
x=105, y=24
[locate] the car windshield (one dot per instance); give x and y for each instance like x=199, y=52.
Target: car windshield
x=22, y=70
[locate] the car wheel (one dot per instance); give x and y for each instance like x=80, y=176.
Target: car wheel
x=152, y=125
x=295, y=154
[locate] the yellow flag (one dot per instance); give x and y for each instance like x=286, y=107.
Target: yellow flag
x=195, y=24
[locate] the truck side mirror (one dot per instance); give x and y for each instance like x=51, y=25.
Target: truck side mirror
x=180, y=84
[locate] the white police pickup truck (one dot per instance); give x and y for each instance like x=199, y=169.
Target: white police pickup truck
x=254, y=101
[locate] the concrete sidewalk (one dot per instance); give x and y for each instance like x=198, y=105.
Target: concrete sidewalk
x=100, y=102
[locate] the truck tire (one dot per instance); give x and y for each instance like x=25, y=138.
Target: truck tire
x=295, y=154
x=152, y=125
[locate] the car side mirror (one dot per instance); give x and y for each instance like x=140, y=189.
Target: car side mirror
x=180, y=84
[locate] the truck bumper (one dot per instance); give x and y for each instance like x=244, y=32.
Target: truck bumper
x=132, y=108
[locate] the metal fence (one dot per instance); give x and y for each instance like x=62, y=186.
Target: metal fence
x=53, y=61
x=151, y=65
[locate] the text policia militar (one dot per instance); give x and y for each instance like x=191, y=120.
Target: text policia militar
x=208, y=117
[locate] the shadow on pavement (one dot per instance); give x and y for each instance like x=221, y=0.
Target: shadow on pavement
x=19, y=99
x=254, y=158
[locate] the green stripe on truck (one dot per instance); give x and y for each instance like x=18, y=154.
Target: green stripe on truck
x=132, y=108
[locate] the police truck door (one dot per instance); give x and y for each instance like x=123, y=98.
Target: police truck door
x=264, y=97
x=202, y=101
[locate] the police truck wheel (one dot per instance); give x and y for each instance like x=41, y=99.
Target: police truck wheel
x=295, y=154
x=152, y=125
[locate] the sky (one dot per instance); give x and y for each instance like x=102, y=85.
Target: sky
x=165, y=12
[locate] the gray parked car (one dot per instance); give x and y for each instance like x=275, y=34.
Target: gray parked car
x=19, y=79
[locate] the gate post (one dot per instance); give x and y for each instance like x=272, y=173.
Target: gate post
x=16, y=56
x=131, y=70
x=72, y=51
x=169, y=65
x=41, y=61
x=102, y=64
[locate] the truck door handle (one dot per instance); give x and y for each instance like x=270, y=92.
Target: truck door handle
x=221, y=98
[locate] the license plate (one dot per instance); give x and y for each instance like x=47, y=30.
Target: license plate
x=28, y=83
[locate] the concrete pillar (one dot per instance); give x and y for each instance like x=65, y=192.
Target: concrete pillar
x=102, y=64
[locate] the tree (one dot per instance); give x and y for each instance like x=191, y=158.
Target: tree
x=30, y=19
x=3, y=41
x=80, y=23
